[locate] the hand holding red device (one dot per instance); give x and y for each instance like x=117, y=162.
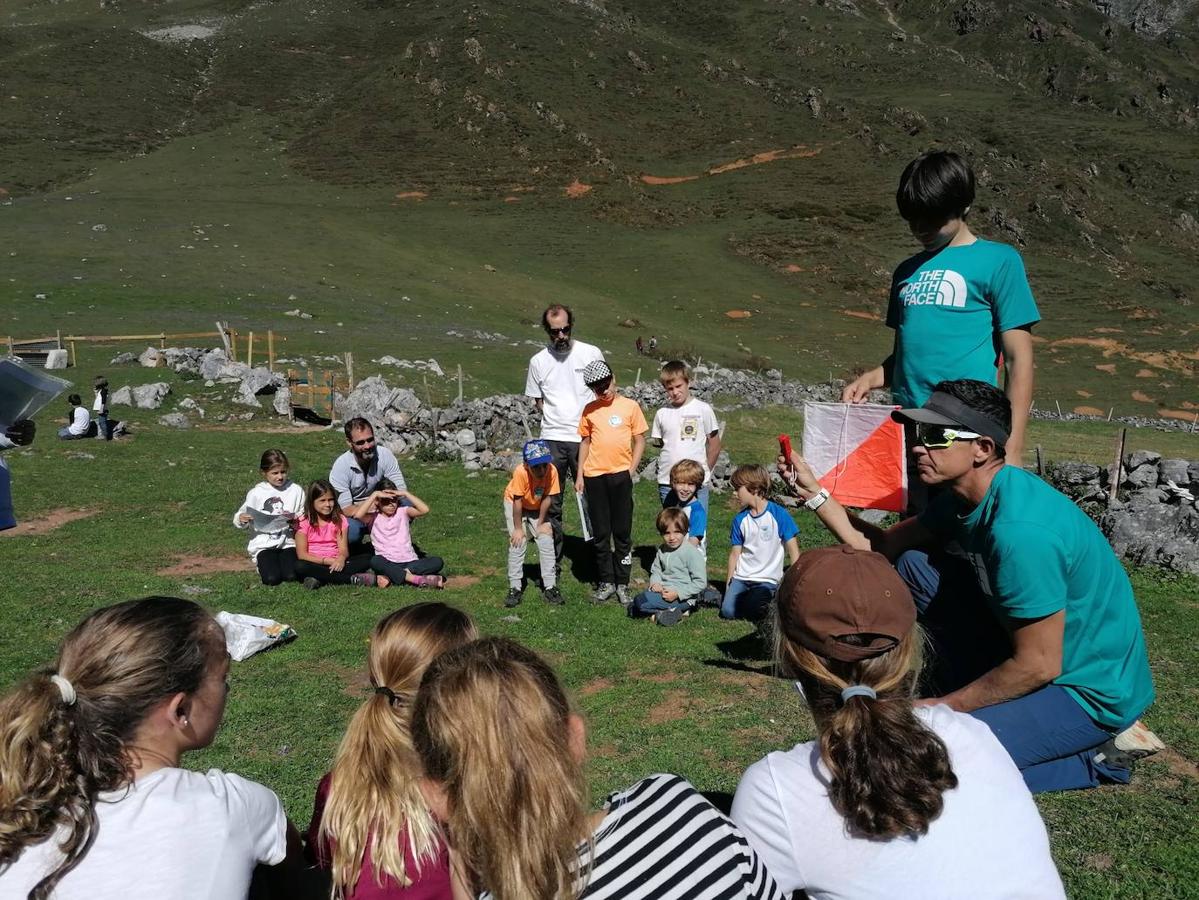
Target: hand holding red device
x=785, y=447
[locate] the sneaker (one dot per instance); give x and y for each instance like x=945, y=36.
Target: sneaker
x=1133, y=743
x=513, y=598
x=363, y=579
x=605, y=591
x=553, y=595
x=436, y=582
x=622, y=594
x=709, y=596
x=311, y=583
x=668, y=617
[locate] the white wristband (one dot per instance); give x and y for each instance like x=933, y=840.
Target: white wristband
x=817, y=500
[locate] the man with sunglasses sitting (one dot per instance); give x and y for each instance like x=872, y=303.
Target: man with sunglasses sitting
x=1065, y=676
x=555, y=382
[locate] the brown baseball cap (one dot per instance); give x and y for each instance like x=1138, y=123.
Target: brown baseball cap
x=845, y=604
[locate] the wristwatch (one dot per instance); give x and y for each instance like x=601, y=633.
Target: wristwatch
x=817, y=500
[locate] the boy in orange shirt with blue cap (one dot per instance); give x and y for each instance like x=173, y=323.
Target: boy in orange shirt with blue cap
x=527, y=500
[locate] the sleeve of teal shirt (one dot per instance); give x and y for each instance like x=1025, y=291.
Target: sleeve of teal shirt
x=1028, y=571
x=1011, y=297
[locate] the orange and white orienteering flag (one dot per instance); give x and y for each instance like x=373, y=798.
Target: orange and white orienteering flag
x=857, y=452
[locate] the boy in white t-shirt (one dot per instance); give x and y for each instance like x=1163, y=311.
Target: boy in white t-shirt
x=760, y=534
x=686, y=429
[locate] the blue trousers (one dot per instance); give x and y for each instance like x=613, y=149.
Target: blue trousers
x=649, y=602
x=747, y=599
x=1048, y=735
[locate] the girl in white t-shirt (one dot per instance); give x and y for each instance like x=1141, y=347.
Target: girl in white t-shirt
x=893, y=799
x=503, y=758
x=271, y=510
x=94, y=804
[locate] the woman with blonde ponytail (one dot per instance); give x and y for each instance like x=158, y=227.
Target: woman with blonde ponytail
x=370, y=826
x=503, y=756
x=895, y=798
x=93, y=804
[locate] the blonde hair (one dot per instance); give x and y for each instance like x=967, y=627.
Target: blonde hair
x=373, y=792
x=492, y=724
x=676, y=368
x=687, y=471
x=888, y=771
x=56, y=756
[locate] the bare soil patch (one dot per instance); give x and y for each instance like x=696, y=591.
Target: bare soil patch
x=1083, y=394
x=1146, y=373
x=675, y=706
x=665, y=179
x=1177, y=764
x=738, y=314
x=595, y=686
x=861, y=314
x=461, y=581
x=1088, y=411
x=1142, y=397
x=799, y=151
x=418, y=196
x=1110, y=368
x=576, y=189
x=48, y=522
x=1183, y=414
x=188, y=564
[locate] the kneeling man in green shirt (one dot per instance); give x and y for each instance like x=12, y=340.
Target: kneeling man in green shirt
x=1067, y=675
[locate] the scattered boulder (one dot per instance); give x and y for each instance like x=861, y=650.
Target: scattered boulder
x=1176, y=470
x=121, y=397
x=1139, y=458
x=191, y=405
x=211, y=364
x=151, y=358
x=246, y=396
x=282, y=401
x=149, y=396
x=57, y=359
x=123, y=359
x=175, y=420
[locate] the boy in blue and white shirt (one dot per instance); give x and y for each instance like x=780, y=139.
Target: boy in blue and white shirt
x=760, y=534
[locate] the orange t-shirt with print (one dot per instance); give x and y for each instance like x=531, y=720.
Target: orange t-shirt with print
x=611, y=425
x=529, y=490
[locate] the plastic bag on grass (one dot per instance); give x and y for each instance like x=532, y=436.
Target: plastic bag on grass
x=246, y=635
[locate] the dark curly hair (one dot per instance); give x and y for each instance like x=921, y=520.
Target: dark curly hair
x=935, y=186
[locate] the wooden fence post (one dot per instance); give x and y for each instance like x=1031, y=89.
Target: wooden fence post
x=459, y=382
x=270, y=350
x=1040, y=462
x=73, y=363
x=223, y=332
x=351, y=383
x=233, y=344
x=1113, y=486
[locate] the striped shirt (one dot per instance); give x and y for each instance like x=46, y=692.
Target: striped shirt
x=661, y=840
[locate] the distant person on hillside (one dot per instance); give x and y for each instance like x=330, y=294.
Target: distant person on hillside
x=613, y=430
x=640, y=345
x=527, y=500
x=961, y=307
x=1063, y=675
x=761, y=533
x=389, y=512
x=357, y=472
x=100, y=408
x=678, y=576
x=686, y=428
x=892, y=799
x=555, y=382
x=322, y=547
x=18, y=434
x=271, y=510
x=653, y=343
x=79, y=422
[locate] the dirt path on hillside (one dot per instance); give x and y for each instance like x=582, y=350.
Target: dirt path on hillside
x=799, y=151
x=48, y=522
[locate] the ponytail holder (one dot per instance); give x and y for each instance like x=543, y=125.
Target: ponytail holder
x=65, y=689
x=387, y=692
x=858, y=690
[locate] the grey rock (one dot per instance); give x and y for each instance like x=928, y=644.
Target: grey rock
x=175, y=420
x=191, y=406
x=472, y=465
x=246, y=396
x=1143, y=476
x=149, y=396
x=57, y=359
x=1138, y=458
x=1165, y=535
x=282, y=401
x=465, y=438
x=1072, y=473
x=211, y=364
x=259, y=381
x=183, y=359
x=372, y=398
x=121, y=397
x=1173, y=470
x=1193, y=473
x=150, y=357
x=230, y=372
x=123, y=359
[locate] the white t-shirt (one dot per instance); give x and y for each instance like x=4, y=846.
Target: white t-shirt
x=557, y=380
x=762, y=540
x=80, y=419
x=173, y=834
x=989, y=842
x=265, y=504
x=684, y=432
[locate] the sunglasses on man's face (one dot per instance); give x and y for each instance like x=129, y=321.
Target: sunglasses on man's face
x=564, y=330
x=938, y=437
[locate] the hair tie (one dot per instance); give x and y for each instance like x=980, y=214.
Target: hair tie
x=387, y=692
x=65, y=689
x=858, y=690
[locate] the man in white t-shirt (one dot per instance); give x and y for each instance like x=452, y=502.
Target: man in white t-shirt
x=684, y=429
x=555, y=382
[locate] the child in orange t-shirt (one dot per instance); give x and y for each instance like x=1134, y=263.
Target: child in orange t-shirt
x=613, y=438
x=527, y=501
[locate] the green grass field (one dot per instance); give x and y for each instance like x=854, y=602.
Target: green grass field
x=699, y=699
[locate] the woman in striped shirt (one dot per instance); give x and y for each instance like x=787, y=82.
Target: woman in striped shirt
x=504, y=754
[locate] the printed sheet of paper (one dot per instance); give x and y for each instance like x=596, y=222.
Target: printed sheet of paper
x=269, y=521
x=584, y=519
x=24, y=390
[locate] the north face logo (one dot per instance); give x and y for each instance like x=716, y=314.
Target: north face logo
x=935, y=287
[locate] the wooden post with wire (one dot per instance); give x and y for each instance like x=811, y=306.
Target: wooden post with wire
x=250, y=350
x=270, y=350
x=1117, y=472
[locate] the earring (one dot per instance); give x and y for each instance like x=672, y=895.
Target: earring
x=185, y=721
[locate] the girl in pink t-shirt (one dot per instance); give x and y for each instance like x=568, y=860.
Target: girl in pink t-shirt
x=395, y=558
x=322, y=550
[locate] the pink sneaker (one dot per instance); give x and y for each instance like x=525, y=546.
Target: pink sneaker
x=437, y=582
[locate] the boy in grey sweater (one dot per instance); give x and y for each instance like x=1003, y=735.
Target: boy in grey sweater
x=676, y=578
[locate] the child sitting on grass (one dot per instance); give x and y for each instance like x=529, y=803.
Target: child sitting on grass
x=677, y=577
x=270, y=510
x=395, y=558
x=759, y=535
x=612, y=429
x=527, y=500
x=322, y=551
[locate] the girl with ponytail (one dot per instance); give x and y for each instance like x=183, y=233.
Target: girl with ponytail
x=894, y=798
x=503, y=757
x=93, y=803
x=370, y=826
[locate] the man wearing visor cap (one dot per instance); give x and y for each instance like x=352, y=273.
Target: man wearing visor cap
x=1064, y=679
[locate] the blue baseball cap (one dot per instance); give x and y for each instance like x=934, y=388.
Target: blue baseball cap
x=537, y=452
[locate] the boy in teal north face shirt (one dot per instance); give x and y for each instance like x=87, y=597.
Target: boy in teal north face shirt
x=960, y=306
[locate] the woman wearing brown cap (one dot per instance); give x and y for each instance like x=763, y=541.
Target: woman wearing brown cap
x=890, y=800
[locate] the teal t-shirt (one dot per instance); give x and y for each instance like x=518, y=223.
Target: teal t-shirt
x=1036, y=553
x=949, y=308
